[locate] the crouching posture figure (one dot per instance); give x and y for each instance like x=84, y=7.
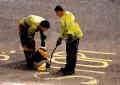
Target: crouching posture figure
x=28, y=26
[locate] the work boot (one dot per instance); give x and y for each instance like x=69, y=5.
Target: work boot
x=62, y=69
x=65, y=73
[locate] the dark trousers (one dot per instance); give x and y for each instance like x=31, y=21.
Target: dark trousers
x=71, y=50
x=28, y=46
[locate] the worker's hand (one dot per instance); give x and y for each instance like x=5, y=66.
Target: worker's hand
x=59, y=41
x=69, y=37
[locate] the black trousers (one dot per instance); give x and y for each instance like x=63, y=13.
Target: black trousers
x=28, y=46
x=71, y=58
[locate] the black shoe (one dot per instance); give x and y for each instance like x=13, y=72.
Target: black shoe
x=58, y=73
x=68, y=73
x=62, y=69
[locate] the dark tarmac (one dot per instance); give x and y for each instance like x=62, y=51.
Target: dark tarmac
x=99, y=50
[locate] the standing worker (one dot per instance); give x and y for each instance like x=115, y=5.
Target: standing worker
x=71, y=32
x=27, y=28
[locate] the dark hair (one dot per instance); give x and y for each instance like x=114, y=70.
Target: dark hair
x=58, y=8
x=45, y=24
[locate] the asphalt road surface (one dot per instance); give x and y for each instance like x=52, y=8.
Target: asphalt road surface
x=99, y=50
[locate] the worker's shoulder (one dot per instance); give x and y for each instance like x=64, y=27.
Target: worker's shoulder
x=67, y=12
x=36, y=17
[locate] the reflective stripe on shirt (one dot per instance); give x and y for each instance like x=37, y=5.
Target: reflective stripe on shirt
x=69, y=23
x=76, y=33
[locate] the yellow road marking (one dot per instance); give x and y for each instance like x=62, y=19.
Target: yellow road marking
x=97, y=52
x=91, y=79
x=3, y=52
x=103, y=63
x=5, y=57
x=89, y=71
x=12, y=51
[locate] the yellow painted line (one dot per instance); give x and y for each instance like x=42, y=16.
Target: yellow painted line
x=91, y=79
x=89, y=71
x=5, y=57
x=107, y=53
x=3, y=52
x=91, y=82
x=41, y=73
x=96, y=52
x=12, y=51
x=59, y=54
x=81, y=55
x=104, y=64
x=23, y=83
x=68, y=77
x=108, y=60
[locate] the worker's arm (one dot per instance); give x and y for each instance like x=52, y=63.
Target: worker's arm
x=20, y=29
x=21, y=26
x=43, y=38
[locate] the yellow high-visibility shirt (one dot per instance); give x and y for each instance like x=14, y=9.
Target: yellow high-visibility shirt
x=34, y=22
x=70, y=26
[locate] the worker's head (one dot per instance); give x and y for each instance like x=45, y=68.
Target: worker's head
x=44, y=25
x=59, y=11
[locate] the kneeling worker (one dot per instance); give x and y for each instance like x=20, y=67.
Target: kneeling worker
x=27, y=28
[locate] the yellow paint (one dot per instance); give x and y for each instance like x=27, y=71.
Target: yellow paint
x=91, y=79
x=96, y=52
x=89, y=71
x=97, y=59
x=91, y=82
x=42, y=67
x=40, y=73
x=62, y=54
x=82, y=57
x=102, y=63
x=5, y=57
x=3, y=52
x=12, y=51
